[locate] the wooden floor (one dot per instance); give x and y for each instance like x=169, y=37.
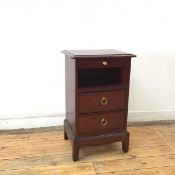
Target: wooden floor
x=152, y=151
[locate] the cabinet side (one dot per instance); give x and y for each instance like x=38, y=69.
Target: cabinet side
x=70, y=80
x=127, y=82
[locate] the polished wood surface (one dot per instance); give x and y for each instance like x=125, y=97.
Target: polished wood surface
x=70, y=88
x=91, y=102
x=96, y=53
x=97, y=89
x=99, y=62
x=101, y=123
x=152, y=152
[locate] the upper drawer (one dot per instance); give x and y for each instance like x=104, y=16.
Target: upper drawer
x=102, y=101
x=102, y=63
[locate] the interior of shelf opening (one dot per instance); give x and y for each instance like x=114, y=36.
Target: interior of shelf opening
x=99, y=77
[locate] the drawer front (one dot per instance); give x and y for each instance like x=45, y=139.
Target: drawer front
x=102, y=101
x=103, y=63
x=106, y=122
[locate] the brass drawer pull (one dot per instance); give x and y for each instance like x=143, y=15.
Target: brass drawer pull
x=104, y=101
x=105, y=63
x=103, y=122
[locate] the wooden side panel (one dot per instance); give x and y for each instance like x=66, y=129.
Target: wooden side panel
x=126, y=81
x=70, y=85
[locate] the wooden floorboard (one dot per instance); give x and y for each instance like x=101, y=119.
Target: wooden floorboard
x=152, y=152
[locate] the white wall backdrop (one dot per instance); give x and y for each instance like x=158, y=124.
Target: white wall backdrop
x=33, y=32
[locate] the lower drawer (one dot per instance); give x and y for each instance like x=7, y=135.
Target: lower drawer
x=101, y=123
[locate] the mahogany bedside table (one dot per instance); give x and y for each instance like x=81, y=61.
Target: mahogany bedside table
x=97, y=90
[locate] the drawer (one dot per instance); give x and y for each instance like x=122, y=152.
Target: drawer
x=102, y=63
x=101, y=123
x=102, y=101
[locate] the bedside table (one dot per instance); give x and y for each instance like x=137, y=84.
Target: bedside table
x=97, y=90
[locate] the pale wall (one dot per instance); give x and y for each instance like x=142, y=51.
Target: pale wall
x=32, y=34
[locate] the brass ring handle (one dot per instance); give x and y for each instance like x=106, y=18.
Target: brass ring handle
x=103, y=122
x=105, y=63
x=104, y=101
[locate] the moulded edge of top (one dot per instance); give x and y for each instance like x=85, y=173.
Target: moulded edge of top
x=99, y=53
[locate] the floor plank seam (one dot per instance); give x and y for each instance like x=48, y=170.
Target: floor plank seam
x=148, y=146
x=132, y=158
x=81, y=160
x=26, y=157
x=45, y=166
x=166, y=141
x=68, y=154
x=94, y=167
x=134, y=170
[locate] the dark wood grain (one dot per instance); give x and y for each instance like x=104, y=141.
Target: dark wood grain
x=98, y=62
x=90, y=124
x=70, y=85
x=104, y=88
x=91, y=102
x=96, y=53
x=97, y=90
